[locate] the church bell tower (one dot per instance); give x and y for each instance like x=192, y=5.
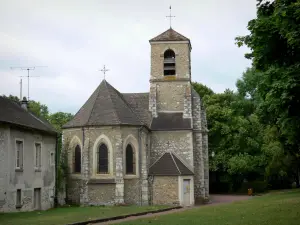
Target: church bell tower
x=170, y=80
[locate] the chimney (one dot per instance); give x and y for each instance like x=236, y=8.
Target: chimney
x=24, y=103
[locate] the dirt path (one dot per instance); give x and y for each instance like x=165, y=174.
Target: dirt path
x=215, y=200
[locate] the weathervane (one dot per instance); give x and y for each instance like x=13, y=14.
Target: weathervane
x=170, y=16
x=104, y=70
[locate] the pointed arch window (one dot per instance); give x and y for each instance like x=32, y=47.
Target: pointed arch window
x=102, y=159
x=77, y=159
x=130, y=160
x=169, y=63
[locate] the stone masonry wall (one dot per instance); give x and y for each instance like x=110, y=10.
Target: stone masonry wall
x=182, y=59
x=170, y=95
x=165, y=190
x=132, y=191
x=101, y=194
x=180, y=142
x=199, y=187
x=153, y=99
x=161, y=86
x=187, y=102
x=117, y=137
x=205, y=151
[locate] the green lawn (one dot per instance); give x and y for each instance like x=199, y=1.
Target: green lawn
x=62, y=216
x=276, y=208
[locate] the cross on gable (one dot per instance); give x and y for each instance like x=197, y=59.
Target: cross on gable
x=170, y=17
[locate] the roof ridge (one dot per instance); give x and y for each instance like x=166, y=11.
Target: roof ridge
x=175, y=162
x=126, y=103
x=98, y=89
x=114, y=104
x=157, y=160
x=184, y=163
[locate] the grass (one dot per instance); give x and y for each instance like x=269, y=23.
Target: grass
x=276, y=208
x=62, y=216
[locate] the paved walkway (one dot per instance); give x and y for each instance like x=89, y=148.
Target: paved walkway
x=215, y=200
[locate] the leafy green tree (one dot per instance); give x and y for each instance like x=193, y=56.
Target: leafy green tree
x=202, y=90
x=274, y=80
x=58, y=119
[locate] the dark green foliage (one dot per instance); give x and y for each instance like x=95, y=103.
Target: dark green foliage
x=257, y=187
x=274, y=80
x=219, y=187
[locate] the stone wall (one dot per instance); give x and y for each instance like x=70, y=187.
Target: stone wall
x=161, y=86
x=132, y=191
x=28, y=178
x=165, y=190
x=101, y=194
x=118, y=137
x=74, y=189
x=205, y=152
x=171, y=102
x=200, y=150
x=182, y=57
x=180, y=142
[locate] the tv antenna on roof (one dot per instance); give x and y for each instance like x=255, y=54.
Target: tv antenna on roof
x=28, y=76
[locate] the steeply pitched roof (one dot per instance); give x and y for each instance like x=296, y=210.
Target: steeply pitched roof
x=139, y=102
x=170, y=35
x=11, y=112
x=169, y=165
x=106, y=106
x=170, y=121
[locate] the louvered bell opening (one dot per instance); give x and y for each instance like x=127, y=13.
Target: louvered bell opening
x=169, y=69
x=169, y=63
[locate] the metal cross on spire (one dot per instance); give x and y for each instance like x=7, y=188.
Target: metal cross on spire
x=170, y=17
x=104, y=70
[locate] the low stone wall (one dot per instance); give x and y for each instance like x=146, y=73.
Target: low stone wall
x=165, y=190
x=101, y=194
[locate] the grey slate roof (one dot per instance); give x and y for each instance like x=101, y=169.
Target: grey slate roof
x=170, y=121
x=169, y=165
x=139, y=102
x=170, y=35
x=12, y=113
x=107, y=106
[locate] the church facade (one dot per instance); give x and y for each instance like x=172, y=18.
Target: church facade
x=142, y=148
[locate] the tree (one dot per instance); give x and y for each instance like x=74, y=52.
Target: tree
x=274, y=80
x=202, y=90
x=59, y=119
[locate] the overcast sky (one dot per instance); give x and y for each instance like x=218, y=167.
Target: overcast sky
x=75, y=38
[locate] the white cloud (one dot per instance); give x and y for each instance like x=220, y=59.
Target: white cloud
x=75, y=38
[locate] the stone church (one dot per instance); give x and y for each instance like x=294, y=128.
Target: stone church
x=142, y=148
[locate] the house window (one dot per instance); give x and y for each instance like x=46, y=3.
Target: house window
x=18, y=198
x=102, y=159
x=169, y=63
x=38, y=156
x=77, y=159
x=19, y=154
x=130, y=160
